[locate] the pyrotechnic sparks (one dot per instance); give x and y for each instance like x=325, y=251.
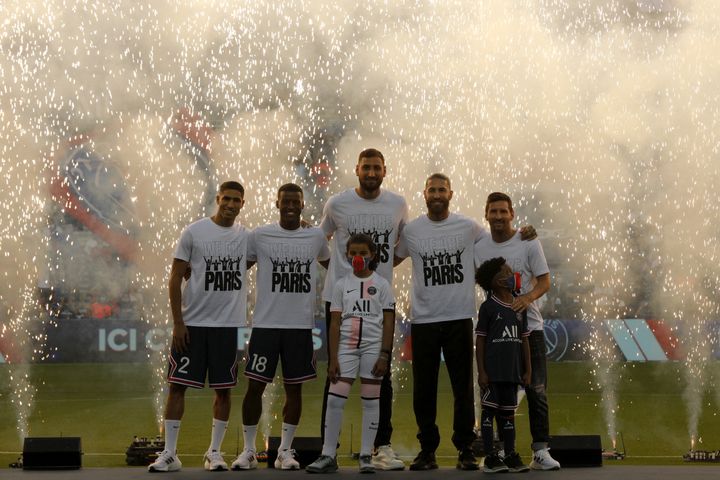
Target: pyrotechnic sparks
x=599, y=117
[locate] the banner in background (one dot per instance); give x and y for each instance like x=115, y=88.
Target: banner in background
x=122, y=340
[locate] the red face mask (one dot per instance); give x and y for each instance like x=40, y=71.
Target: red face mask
x=514, y=283
x=359, y=263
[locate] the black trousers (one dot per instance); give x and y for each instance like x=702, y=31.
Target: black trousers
x=385, y=429
x=538, y=410
x=454, y=339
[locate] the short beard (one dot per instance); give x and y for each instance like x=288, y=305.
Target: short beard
x=374, y=188
x=441, y=209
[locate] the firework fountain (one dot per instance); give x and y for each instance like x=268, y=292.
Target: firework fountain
x=598, y=116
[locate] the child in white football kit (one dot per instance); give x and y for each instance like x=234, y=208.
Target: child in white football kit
x=360, y=342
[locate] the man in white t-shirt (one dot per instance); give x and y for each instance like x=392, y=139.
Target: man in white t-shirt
x=528, y=259
x=206, y=312
x=381, y=214
x=287, y=256
x=442, y=303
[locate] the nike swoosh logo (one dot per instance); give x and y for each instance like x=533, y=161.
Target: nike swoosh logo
x=350, y=291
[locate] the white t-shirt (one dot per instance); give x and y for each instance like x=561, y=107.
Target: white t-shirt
x=525, y=257
x=287, y=275
x=216, y=293
x=347, y=213
x=362, y=302
x=443, y=280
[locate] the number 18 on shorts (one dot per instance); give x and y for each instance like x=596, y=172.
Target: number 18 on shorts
x=292, y=346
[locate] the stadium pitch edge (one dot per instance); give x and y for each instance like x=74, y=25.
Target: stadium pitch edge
x=699, y=472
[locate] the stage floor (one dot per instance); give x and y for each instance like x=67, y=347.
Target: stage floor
x=693, y=472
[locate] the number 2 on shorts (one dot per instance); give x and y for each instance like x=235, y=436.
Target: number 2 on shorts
x=184, y=362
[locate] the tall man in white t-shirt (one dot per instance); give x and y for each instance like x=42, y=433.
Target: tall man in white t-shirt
x=442, y=303
x=206, y=314
x=528, y=259
x=287, y=256
x=381, y=214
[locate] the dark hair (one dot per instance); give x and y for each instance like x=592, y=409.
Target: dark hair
x=498, y=197
x=290, y=187
x=369, y=153
x=367, y=240
x=232, y=185
x=487, y=271
x=438, y=176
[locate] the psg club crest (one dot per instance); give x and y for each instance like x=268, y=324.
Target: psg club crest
x=99, y=184
x=557, y=339
x=92, y=192
x=92, y=189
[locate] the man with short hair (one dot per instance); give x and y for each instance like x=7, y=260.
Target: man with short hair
x=440, y=244
x=206, y=315
x=287, y=256
x=528, y=259
x=381, y=214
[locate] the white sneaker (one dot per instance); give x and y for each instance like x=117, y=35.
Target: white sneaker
x=386, y=459
x=214, y=462
x=543, y=461
x=247, y=460
x=286, y=460
x=166, y=462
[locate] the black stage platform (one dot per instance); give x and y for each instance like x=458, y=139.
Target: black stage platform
x=612, y=472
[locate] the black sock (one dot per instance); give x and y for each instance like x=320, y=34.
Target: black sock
x=486, y=430
x=499, y=439
x=508, y=430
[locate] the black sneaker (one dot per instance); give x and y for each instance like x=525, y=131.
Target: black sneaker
x=424, y=461
x=493, y=464
x=515, y=464
x=467, y=460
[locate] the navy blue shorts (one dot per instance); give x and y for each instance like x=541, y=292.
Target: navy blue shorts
x=292, y=346
x=500, y=396
x=212, y=353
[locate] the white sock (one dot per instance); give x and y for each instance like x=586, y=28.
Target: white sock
x=333, y=422
x=172, y=429
x=219, y=427
x=286, y=438
x=249, y=436
x=370, y=419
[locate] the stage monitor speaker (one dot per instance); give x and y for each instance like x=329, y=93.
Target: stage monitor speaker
x=576, y=450
x=52, y=453
x=307, y=450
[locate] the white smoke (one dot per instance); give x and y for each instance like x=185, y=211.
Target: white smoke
x=598, y=116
